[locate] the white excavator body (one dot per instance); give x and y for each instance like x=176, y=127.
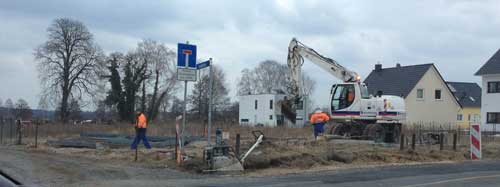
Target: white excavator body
x=354, y=111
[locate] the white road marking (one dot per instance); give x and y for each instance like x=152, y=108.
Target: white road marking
x=454, y=180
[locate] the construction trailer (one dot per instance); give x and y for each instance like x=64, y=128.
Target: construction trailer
x=263, y=110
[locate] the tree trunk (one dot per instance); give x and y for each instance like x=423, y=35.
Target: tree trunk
x=153, y=104
x=143, y=99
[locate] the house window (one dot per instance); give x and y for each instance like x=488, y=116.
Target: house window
x=271, y=104
x=493, y=117
x=244, y=120
x=270, y=117
x=437, y=94
x=476, y=118
x=494, y=87
x=420, y=94
x=255, y=104
x=460, y=117
x=468, y=118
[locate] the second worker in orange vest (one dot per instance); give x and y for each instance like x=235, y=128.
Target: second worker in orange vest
x=140, y=129
x=318, y=120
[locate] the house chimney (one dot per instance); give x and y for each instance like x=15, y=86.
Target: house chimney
x=378, y=66
x=398, y=65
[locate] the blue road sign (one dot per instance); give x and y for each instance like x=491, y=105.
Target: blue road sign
x=203, y=64
x=186, y=52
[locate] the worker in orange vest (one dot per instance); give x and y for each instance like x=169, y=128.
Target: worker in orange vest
x=319, y=119
x=140, y=131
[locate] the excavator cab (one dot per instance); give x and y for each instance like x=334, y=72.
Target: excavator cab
x=343, y=96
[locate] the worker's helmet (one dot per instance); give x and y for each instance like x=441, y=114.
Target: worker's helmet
x=318, y=110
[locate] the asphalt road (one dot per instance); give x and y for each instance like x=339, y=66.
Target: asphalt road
x=41, y=169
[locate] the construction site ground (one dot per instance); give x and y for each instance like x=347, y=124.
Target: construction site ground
x=50, y=165
x=285, y=151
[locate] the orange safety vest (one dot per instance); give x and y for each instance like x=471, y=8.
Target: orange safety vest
x=142, y=121
x=319, y=118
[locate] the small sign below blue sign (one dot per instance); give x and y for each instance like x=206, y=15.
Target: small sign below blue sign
x=203, y=65
x=186, y=55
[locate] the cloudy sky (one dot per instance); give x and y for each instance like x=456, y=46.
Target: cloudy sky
x=458, y=36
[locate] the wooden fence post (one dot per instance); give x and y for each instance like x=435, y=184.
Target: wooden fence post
x=402, y=142
x=36, y=133
x=413, y=139
x=455, y=141
x=237, y=147
x=441, y=141
x=19, y=133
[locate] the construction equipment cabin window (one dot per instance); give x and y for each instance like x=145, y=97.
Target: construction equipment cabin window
x=256, y=104
x=493, y=117
x=437, y=94
x=420, y=94
x=343, y=96
x=494, y=87
x=271, y=104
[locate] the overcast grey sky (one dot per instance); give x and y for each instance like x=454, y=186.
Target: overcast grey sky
x=458, y=36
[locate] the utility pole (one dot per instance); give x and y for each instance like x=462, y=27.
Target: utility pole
x=210, y=82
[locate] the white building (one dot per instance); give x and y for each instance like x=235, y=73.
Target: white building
x=490, y=104
x=262, y=109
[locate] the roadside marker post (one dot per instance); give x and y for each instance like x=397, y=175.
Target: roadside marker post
x=186, y=71
x=178, y=155
x=475, y=142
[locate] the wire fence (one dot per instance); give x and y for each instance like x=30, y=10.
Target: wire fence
x=35, y=132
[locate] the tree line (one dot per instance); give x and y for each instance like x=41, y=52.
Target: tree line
x=18, y=110
x=75, y=73
x=73, y=69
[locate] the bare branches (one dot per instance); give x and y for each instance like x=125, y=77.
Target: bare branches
x=68, y=63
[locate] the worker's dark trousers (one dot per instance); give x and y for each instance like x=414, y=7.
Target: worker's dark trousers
x=140, y=135
x=318, y=128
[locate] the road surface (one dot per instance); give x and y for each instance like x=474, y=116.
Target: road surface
x=42, y=169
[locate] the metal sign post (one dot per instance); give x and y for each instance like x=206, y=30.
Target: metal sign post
x=210, y=82
x=186, y=71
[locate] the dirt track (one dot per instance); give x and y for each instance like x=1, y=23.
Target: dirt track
x=36, y=168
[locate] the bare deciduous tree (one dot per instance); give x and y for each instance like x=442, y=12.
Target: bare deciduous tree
x=199, y=97
x=270, y=77
x=22, y=110
x=68, y=63
x=9, y=106
x=162, y=81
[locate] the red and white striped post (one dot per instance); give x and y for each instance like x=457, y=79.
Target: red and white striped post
x=475, y=142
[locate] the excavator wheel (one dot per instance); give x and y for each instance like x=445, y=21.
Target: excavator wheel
x=333, y=128
x=396, y=133
x=340, y=129
x=366, y=131
x=377, y=133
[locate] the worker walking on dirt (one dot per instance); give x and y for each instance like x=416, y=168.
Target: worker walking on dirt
x=319, y=119
x=140, y=131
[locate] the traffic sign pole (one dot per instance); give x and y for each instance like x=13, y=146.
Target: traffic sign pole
x=210, y=82
x=184, y=117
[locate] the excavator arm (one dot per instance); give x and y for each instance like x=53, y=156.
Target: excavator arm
x=296, y=53
x=293, y=108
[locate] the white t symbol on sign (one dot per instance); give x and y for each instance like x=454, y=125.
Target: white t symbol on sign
x=187, y=53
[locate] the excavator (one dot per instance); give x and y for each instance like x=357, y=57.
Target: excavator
x=353, y=111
